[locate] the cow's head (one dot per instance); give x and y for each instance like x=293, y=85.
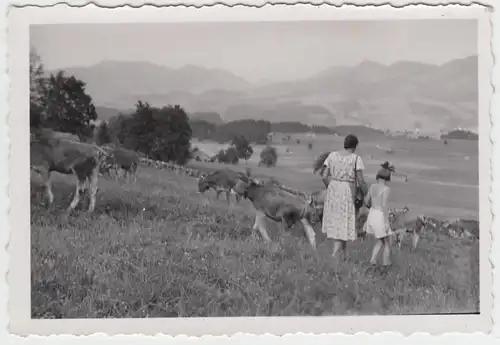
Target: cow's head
x=203, y=185
x=244, y=183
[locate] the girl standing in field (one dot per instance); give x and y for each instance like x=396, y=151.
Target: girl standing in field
x=377, y=222
x=341, y=171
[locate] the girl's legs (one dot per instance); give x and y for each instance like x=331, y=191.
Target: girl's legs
x=376, y=249
x=339, y=248
x=386, y=255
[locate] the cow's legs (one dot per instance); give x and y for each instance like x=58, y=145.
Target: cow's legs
x=260, y=224
x=415, y=239
x=117, y=171
x=93, y=179
x=400, y=236
x=112, y=172
x=228, y=196
x=80, y=188
x=217, y=193
x=310, y=234
x=48, y=186
x=236, y=196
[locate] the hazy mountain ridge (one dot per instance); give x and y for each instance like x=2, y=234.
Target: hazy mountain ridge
x=403, y=95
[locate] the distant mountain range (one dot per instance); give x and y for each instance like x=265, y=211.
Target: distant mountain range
x=401, y=96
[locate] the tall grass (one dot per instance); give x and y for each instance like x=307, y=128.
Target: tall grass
x=158, y=249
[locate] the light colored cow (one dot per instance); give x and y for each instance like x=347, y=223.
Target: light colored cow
x=272, y=202
x=49, y=154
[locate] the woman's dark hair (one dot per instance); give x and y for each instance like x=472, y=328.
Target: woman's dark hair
x=350, y=142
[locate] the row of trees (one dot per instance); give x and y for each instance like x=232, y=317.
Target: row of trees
x=165, y=134
x=231, y=155
x=255, y=131
x=460, y=134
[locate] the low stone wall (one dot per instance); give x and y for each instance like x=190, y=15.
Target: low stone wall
x=179, y=169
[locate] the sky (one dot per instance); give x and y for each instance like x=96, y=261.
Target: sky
x=265, y=51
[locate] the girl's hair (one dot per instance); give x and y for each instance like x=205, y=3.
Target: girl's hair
x=386, y=178
x=383, y=174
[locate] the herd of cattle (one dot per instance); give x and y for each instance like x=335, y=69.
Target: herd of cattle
x=270, y=199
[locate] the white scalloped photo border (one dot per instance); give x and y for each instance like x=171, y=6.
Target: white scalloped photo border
x=175, y=330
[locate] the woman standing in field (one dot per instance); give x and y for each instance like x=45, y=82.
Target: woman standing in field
x=377, y=222
x=342, y=170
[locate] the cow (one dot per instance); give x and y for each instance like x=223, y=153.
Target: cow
x=407, y=221
x=462, y=227
x=221, y=181
x=108, y=168
x=272, y=202
x=123, y=159
x=49, y=154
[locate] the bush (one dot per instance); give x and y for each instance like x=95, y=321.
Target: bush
x=159, y=133
x=102, y=134
x=268, y=157
x=242, y=146
x=228, y=156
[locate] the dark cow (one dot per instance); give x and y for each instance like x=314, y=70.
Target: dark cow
x=221, y=181
x=50, y=154
x=123, y=159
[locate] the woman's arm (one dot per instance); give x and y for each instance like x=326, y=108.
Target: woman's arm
x=368, y=199
x=361, y=181
x=325, y=176
x=325, y=171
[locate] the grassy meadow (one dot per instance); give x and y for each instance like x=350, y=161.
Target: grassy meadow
x=157, y=248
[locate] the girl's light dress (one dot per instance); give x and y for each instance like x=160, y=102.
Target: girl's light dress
x=377, y=222
x=339, y=216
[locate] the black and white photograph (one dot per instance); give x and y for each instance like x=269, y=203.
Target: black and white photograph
x=266, y=168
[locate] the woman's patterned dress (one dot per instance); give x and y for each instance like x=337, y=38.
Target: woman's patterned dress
x=339, y=217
